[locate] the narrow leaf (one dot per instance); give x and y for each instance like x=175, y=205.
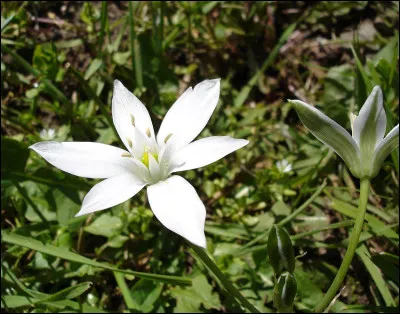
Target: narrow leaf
x=376, y=275
x=245, y=91
x=74, y=257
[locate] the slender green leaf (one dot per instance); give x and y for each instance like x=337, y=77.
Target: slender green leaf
x=90, y=93
x=376, y=275
x=377, y=226
x=94, y=66
x=15, y=301
x=245, y=91
x=68, y=293
x=363, y=84
x=119, y=277
x=135, y=48
x=103, y=25
x=390, y=269
x=74, y=257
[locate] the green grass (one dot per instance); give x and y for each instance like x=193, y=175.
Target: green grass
x=58, y=64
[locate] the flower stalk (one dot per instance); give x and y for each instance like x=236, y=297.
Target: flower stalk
x=353, y=243
x=225, y=282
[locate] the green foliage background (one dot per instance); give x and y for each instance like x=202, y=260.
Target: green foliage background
x=58, y=63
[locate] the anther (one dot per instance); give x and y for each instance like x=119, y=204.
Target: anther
x=148, y=132
x=129, y=142
x=167, y=138
x=126, y=155
x=132, y=120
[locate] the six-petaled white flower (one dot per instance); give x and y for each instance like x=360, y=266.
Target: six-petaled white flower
x=149, y=159
x=366, y=149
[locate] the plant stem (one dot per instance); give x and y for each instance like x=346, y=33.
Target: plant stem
x=225, y=282
x=353, y=242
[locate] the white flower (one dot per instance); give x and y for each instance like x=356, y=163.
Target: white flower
x=47, y=134
x=365, y=150
x=150, y=160
x=284, y=166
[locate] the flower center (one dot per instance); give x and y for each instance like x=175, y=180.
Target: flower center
x=145, y=157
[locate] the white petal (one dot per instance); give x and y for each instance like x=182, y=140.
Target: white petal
x=177, y=206
x=127, y=111
x=331, y=134
x=141, y=143
x=154, y=168
x=111, y=192
x=206, y=151
x=166, y=162
x=189, y=114
x=389, y=143
x=369, y=126
x=85, y=159
x=141, y=171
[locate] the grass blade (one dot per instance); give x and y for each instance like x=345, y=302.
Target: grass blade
x=377, y=226
x=63, y=253
x=135, y=48
x=68, y=293
x=245, y=91
x=26, y=197
x=389, y=269
x=364, y=86
x=376, y=275
x=103, y=25
x=22, y=176
x=126, y=293
x=14, y=301
x=90, y=93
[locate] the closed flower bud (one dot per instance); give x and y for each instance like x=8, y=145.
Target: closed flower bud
x=365, y=150
x=285, y=292
x=280, y=250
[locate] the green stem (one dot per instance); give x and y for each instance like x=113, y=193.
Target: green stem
x=226, y=283
x=353, y=242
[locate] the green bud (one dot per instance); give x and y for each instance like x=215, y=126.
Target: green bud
x=285, y=292
x=280, y=250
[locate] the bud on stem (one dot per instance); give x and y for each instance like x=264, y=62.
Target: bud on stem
x=280, y=251
x=285, y=292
